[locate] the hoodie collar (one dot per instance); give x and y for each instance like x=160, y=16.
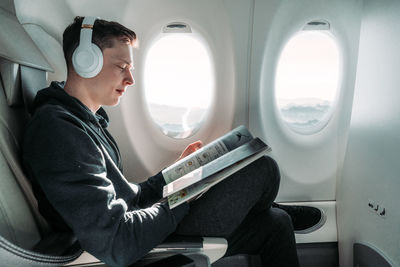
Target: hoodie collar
x=55, y=93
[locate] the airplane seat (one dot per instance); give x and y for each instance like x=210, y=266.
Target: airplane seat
x=17, y=223
x=25, y=238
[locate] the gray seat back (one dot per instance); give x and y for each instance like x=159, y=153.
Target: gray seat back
x=17, y=220
x=20, y=222
x=25, y=238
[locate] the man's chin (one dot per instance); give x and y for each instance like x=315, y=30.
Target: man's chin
x=113, y=103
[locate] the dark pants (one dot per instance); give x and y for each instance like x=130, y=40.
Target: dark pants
x=239, y=209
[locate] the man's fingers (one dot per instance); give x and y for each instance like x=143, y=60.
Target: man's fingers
x=196, y=145
x=191, y=148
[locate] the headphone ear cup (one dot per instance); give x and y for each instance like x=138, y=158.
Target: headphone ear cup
x=87, y=60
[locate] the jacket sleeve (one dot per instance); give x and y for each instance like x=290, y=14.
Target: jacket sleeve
x=73, y=172
x=151, y=190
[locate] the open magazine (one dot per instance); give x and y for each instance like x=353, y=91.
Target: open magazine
x=191, y=176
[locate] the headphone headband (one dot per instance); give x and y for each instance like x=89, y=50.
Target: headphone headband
x=86, y=31
x=88, y=22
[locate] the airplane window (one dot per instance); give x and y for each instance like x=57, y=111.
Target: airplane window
x=307, y=80
x=178, y=83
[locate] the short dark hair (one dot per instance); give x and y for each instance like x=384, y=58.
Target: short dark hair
x=105, y=33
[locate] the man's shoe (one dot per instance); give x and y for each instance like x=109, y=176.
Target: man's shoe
x=305, y=219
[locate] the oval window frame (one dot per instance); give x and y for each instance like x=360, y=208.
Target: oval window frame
x=324, y=121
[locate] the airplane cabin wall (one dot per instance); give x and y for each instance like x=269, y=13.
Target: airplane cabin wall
x=371, y=168
x=309, y=163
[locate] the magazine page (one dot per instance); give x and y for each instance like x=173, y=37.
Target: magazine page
x=181, y=191
x=215, y=166
x=208, y=153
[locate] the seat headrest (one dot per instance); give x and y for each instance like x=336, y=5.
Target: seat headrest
x=21, y=83
x=17, y=46
x=10, y=77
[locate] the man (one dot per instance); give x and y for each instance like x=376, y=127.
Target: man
x=76, y=172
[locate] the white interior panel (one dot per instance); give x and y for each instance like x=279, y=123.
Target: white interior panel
x=309, y=163
x=371, y=169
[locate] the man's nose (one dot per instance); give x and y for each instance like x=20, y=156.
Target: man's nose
x=129, y=80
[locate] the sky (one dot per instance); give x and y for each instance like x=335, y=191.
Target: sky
x=178, y=72
x=308, y=67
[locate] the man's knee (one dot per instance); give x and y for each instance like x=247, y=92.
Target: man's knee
x=274, y=168
x=269, y=170
x=282, y=220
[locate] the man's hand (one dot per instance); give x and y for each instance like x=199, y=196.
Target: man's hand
x=190, y=149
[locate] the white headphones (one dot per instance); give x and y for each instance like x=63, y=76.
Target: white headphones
x=87, y=58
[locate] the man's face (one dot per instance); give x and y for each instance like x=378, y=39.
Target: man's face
x=110, y=84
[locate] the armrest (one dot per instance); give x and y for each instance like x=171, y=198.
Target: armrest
x=212, y=247
x=180, y=242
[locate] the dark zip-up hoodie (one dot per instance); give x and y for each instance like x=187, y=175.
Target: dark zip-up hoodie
x=75, y=168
